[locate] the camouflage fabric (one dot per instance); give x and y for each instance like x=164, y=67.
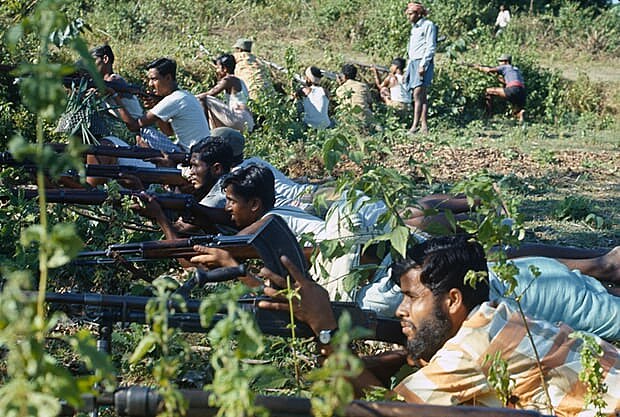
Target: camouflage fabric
x=253, y=73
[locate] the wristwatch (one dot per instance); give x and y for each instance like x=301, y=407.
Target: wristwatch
x=325, y=336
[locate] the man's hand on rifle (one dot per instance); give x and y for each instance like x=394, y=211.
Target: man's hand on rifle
x=130, y=181
x=311, y=304
x=217, y=258
x=146, y=205
x=162, y=161
x=213, y=257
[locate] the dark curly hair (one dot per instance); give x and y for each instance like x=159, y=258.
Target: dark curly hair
x=444, y=262
x=214, y=149
x=253, y=181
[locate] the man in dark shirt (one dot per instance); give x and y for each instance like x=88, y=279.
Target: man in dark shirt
x=514, y=86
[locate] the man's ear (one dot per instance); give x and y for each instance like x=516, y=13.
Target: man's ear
x=256, y=205
x=454, y=301
x=217, y=169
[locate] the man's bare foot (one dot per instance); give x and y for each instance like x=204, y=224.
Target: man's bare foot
x=610, y=265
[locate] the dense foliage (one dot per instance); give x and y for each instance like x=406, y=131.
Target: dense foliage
x=297, y=33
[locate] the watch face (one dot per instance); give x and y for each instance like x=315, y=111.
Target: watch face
x=325, y=336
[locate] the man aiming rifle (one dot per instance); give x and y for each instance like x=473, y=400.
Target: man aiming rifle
x=513, y=89
x=451, y=328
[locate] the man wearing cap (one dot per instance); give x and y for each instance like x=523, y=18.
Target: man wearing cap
x=177, y=113
x=514, y=87
x=233, y=111
x=420, y=69
x=314, y=101
x=251, y=70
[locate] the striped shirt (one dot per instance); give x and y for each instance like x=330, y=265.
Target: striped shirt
x=457, y=373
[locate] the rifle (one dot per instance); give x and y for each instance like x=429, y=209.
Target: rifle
x=298, y=78
x=272, y=240
x=119, y=86
x=109, y=309
x=169, y=176
x=379, y=68
x=172, y=201
x=141, y=401
x=133, y=152
x=467, y=64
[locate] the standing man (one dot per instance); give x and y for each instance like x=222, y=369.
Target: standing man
x=503, y=17
x=178, y=113
x=513, y=89
x=420, y=70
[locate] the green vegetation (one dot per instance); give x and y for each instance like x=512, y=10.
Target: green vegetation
x=560, y=171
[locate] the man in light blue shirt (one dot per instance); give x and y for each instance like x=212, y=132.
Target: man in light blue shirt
x=420, y=69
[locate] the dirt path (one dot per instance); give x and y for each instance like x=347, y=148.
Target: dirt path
x=598, y=71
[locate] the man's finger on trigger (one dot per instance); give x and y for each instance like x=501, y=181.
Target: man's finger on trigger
x=298, y=275
x=268, y=275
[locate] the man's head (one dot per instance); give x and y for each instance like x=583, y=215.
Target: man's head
x=225, y=64
x=505, y=59
x=250, y=193
x=436, y=299
x=211, y=158
x=104, y=59
x=313, y=75
x=234, y=138
x=398, y=66
x=415, y=11
x=162, y=74
x=349, y=71
x=243, y=45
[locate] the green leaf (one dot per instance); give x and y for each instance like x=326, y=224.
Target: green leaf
x=32, y=234
x=145, y=346
x=13, y=36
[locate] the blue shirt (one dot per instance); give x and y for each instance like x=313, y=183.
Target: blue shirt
x=512, y=75
x=422, y=41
